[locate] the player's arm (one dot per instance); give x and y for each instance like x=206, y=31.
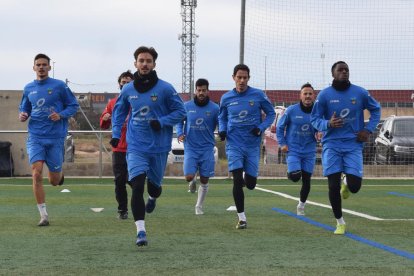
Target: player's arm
x=281, y=129
x=119, y=114
x=105, y=119
x=318, y=120
x=25, y=108
x=70, y=103
x=269, y=110
x=223, y=120
x=176, y=106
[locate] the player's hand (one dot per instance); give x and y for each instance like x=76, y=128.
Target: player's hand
x=54, y=116
x=181, y=138
x=363, y=135
x=223, y=135
x=318, y=136
x=114, y=142
x=256, y=131
x=23, y=116
x=284, y=148
x=335, y=122
x=155, y=125
x=106, y=117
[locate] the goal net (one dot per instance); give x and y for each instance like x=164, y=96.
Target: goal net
x=291, y=42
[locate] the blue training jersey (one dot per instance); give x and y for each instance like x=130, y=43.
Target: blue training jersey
x=349, y=105
x=240, y=113
x=43, y=97
x=295, y=130
x=199, y=126
x=160, y=103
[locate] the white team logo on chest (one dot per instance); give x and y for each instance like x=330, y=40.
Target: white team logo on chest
x=199, y=121
x=243, y=114
x=144, y=110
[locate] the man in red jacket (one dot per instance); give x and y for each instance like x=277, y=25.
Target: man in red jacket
x=119, y=164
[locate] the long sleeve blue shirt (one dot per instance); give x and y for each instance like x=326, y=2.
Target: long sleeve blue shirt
x=43, y=97
x=294, y=129
x=199, y=126
x=160, y=103
x=240, y=113
x=349, y=105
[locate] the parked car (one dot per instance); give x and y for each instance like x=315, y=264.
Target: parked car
x=395, y=141
x=69, y=149
x=176, y=155
x=271, y=152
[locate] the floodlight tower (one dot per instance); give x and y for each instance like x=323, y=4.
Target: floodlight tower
x=188, y=40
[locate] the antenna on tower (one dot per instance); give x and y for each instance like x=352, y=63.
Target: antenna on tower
x=188, y=40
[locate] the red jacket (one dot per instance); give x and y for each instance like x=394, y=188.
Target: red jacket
x=122, y=146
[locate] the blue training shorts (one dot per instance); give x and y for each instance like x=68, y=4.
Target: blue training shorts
x=298, y=163
x=51, y=151
x=153, y=164
x=348, y=161
x=199, y=160
x=243, y=158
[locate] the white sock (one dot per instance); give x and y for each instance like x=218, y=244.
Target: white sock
x=340, y=220
x=202, y=192
x=140, y=225
x=301, y=204
x=42, y=210
x=344, y=180
x=242, y=216
x=150, y=197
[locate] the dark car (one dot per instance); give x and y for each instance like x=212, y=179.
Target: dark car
x=395, y=141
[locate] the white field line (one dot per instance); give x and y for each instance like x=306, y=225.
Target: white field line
x=327, y=206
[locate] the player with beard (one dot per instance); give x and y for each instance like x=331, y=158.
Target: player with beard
x=154, y=107
x=297, y=138
x=197, y=133
x=339, y=113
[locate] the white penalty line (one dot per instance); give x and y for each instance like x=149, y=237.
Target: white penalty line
x=358, y=214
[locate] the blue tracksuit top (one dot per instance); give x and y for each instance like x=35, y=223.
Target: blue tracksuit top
x=240, y=113
x=40, y=99
x=199, y=126
x=161, y=103
x=349, y=105
x=294, y=129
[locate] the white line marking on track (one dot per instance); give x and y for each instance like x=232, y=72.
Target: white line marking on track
x=327, y=206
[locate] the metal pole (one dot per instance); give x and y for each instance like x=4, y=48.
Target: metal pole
x=100, y=155
x=265, y=76
x=242, y=23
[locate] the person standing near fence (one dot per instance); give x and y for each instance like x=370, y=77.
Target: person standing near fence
x=49, y=103
x=240, y=122
x=297, y=137
x=197, y=133
x=339, y=113
x=119, y=164
x=154, y=107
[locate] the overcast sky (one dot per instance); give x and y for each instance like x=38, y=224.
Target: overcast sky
x=91, y=42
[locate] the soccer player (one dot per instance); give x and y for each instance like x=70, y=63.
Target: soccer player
x=154, y=107
x=297, y=137
x=119, y=164
x=339, y=113
x=240, y=122
x=197, y=133
x=49, y=103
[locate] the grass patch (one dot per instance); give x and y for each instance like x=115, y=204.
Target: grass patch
x=82, y=242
